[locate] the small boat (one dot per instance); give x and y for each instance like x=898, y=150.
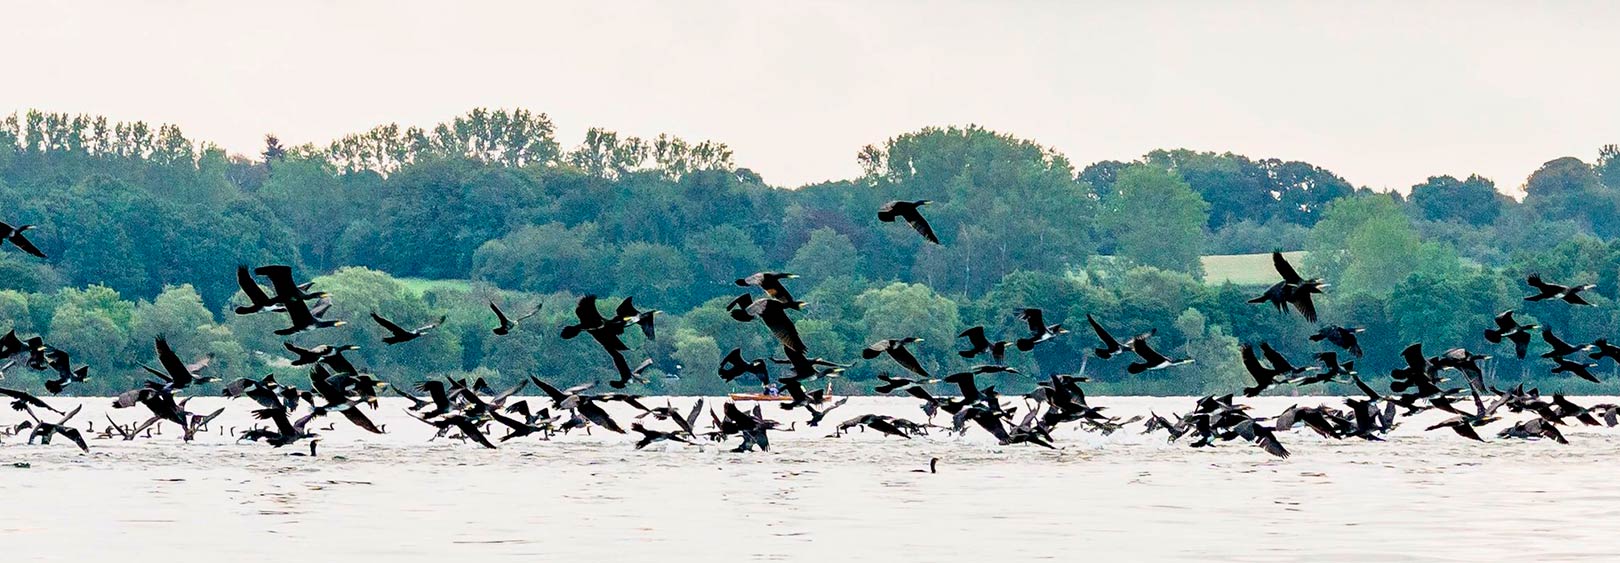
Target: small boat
x=759, y=397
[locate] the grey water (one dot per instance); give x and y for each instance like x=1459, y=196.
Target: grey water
x=1420, y=496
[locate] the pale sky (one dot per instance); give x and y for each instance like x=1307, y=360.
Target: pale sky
x=1385, y=94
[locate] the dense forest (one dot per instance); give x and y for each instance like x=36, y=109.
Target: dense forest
x=145, y=228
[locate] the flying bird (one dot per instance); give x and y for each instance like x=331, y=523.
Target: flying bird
x=896, y=349
x=14, y=235
x=1152, y=359
x=397, y=334
x=910, y=212
x=1344, y=338
x=507, y=324
x=1509, y=328
x=1294, y=290
x=1545, y=291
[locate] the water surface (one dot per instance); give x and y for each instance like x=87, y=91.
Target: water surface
x=1421, y=496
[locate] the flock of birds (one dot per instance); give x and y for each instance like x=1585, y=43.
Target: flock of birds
x=472, y=411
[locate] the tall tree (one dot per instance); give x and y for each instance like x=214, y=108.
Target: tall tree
x=1158, y=220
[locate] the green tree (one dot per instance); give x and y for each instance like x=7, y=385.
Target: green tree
x=658, y=275
x=1443, y=198
x=1364, y=243
x=1158, y=220
x=827, y=254
x=901, y=310
x=177, y=314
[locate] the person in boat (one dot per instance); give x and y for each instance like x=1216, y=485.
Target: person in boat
x=771, y=390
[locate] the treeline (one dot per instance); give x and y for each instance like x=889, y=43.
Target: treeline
x=145, y=228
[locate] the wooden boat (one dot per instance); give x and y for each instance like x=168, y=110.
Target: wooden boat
x=759, y=397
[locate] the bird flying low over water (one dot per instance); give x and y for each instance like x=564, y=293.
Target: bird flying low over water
x=1509, y=328
x=1560, y=348
x=1266, y=376
x=1039, y=331
x=979, y=344
x=733, y=366
x=305, y=318
x=1344, y=338
x=1110, y=346
x=896, y=349
x=175, y=373
x=1151, y=359
x=911, y=212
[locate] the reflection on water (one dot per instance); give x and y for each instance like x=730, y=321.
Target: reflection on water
x=1418, y=497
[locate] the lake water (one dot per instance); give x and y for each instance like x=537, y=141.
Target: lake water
x=1421, y=496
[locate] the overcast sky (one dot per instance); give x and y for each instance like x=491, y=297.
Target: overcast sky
x=1385, y=94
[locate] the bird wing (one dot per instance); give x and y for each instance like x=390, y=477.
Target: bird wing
x=470, y=430
x=1148, y=354
x=885, y=212
x=359, y=419
x=691, y=418
x=1035, y=318
x=1284, y=268
x=432, y=325
x=24, y=244
x=500, y=316
x=1553, y=340
x=1107, y=339
x=281, y=280
x=171, y=363
x=627, y=308
x=586, y=311
x=250, y=287
x=916, y=220
x=1505, y=320
x=1276, y=358
x=555, y=395
x=1252, y=363
x=906, y=360
x=975, y=337
x=389, y=325
x=1362, y=385
x=74, y=435
x=1302, y=302
x=783, y=328
x=1413, y=355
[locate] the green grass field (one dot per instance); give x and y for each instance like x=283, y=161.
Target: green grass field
x=1245, y=269
x=1241, y=269
x=421, y=285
